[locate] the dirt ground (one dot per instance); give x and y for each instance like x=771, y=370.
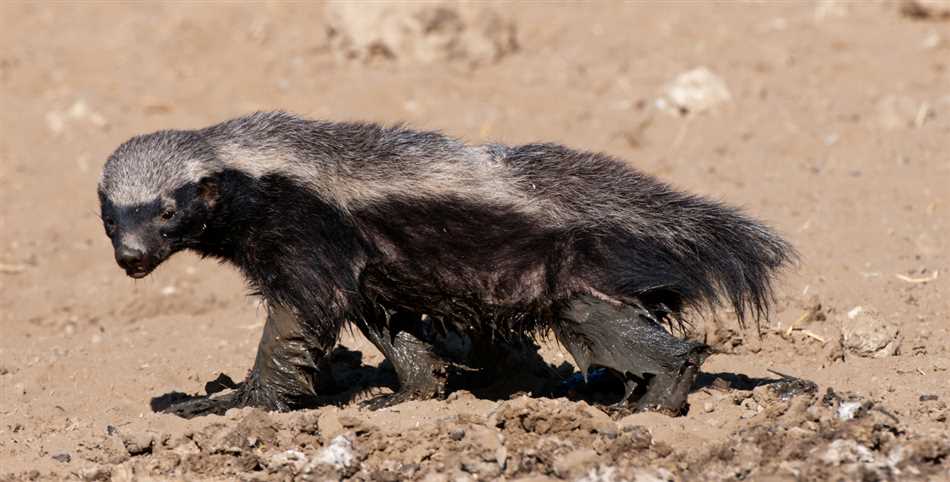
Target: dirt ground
x=832, y=123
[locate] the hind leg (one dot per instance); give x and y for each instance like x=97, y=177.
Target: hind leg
x=627, y=340
x=405, y=340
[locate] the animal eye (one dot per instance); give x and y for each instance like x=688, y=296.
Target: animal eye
x=109, y=223
x=168, y=214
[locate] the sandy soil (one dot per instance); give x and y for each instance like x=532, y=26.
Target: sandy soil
x=836, y=130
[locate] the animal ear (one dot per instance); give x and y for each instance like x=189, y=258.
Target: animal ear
x=208, y=190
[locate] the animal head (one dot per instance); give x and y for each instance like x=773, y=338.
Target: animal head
x=157, y=193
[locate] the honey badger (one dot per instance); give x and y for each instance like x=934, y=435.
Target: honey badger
x=356, y=222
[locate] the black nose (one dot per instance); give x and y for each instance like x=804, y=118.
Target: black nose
x=130, y=259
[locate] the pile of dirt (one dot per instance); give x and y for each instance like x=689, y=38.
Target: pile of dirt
x=791, y=430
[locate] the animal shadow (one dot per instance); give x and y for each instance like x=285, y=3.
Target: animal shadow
x=352, y=380
x=349, y=379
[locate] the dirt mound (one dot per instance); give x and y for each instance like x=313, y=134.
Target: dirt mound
x=795, y=431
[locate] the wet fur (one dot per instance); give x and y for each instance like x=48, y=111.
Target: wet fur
x=338, y=221
x=417, y=209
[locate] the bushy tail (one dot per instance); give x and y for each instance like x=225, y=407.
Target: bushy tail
x=704, y=253
x=743, y=259
x=650, y=243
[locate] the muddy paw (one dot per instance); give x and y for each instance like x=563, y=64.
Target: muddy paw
x=190, y=406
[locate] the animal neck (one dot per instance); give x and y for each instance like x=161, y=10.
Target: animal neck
x=238, y=214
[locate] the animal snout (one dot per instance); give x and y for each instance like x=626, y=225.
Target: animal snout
x=132, y=260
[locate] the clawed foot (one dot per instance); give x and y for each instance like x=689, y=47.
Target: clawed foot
x=667, y=393
x=401, y=396
x=222, y=395
x=190, y=406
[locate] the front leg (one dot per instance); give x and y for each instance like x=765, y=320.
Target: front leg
x=287, y=371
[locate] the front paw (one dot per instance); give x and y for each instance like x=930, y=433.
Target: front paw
x=190, y=406
x=221, y=397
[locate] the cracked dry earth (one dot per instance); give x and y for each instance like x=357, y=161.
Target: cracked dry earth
x=829, y=119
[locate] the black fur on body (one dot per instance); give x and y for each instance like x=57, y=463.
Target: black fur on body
x=336, y=222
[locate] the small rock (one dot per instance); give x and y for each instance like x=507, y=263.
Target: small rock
x=289, y=458
x=501, y=456
x=848, y=410
x=825, y=9
x=575, y=462
x=338, y=454
x=423, y=32
x=122, y=473
x=698, y=90
x=847, y=452
x=657, y=475
x=485, y=439
x=95, y=473
x=603, y=473
x=63, y=457
x=932, y=40
x=79, y=111
x=457, y=434
x=929, y=398
x=12, y=268
x=750, y=407
x=899, y=112
x=835, y=351
x=185, y=447
x=709, y=407
x=460, y=395
x=138, y=443
x=251, y=423
x=813, y=310
x=865, y=334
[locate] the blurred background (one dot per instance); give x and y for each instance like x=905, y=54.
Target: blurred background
x=828, y=119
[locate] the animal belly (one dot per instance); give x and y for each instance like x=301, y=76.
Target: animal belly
x=459, y=258
x=459, y=294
